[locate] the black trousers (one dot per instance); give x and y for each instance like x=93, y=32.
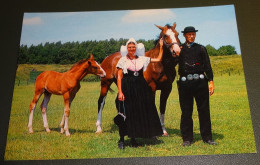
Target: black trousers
x=188, y=90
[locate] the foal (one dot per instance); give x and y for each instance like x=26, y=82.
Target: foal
x=66, y=84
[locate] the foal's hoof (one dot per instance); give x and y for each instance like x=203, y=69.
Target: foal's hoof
x=48, y=130
x=98, y=132
x=30, y=131
x=67, y=134
x=62, y=131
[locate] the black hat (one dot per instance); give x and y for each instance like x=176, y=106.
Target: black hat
x=189, y=29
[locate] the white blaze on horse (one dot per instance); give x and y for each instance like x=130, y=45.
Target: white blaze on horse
x=159, y=75
x=66, y=84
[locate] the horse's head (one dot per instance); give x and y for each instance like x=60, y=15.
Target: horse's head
x=94, y=67
x=170, y=38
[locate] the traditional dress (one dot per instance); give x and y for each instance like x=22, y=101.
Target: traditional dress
x=142, y=120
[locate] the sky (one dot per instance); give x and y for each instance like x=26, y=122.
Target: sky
x=216, y=25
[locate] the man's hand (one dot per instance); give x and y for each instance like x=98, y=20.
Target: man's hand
x=211, y=88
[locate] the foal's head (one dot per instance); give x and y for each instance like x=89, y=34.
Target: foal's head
x=94, y=67
x=170, y=38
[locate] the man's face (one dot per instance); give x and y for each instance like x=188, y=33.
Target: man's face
x=190, y=37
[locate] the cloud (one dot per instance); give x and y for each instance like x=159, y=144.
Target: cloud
x=143, y=16
x=32, y=21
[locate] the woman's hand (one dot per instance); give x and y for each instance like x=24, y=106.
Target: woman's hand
x=121, y=96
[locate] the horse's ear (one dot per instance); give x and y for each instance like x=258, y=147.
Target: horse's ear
x=174, y=25
x=160, y=27
x=91, y=57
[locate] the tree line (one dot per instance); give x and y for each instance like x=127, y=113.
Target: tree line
x=71, y=52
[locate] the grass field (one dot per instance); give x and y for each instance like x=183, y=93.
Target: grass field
x=230, y=115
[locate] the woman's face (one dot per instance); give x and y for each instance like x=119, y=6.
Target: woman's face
x=131, y=48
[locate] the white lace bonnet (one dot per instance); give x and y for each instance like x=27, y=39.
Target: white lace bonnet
x=140, y=49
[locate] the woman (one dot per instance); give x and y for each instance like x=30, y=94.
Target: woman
x=135, y=98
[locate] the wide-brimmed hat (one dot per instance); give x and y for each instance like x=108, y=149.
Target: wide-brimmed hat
x=189, y=29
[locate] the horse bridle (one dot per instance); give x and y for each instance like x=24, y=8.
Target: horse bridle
x=169, y=45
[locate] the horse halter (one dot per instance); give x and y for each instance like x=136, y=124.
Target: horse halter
x=169, y=45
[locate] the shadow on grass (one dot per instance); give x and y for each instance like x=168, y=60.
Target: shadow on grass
x=215, y=136
x=141, y=142
x=171, y=132
x=196, y=136
x=72, y=131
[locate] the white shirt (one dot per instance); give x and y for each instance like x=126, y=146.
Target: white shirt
x=133, y=65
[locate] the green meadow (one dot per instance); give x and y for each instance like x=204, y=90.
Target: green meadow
x=230, y=115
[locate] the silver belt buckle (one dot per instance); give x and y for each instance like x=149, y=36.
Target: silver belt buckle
x=189, y=77
x=196, y=76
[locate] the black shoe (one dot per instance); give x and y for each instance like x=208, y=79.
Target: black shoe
x=210, y=142
x=186, y=143
x=121, y=145
x=133, y=143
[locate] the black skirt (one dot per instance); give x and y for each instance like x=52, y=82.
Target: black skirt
x=142, y=120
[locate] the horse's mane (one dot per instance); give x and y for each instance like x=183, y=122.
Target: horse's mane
x=158, y=36
x=78, y=63
x=156, y=41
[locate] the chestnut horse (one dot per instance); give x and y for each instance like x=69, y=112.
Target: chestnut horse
x=66, y=84
x=159, y=75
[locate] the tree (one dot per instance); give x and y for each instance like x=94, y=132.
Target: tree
x=23, y=55
x=211, y=50
x=99, y=53
x=227, y=50
x=71, y=52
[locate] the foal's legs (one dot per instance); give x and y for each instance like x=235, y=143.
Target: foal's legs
x=44, y=105
x=65, y=119
x=64, y=124
x=37, y=95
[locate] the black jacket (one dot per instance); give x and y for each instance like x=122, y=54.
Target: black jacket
x=194, y=59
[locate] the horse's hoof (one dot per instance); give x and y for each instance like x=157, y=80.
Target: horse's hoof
x=98, y=132
x=62, y=131
x=30, y=131
x=165, y=134
x=48, y=130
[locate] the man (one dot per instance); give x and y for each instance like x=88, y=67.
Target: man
x=195, y=72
